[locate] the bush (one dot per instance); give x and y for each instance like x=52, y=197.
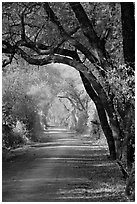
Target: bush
x=19, y=109
x=14, y=136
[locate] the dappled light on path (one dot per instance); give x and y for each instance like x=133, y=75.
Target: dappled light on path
x=63, y=169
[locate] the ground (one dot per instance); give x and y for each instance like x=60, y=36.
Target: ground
x=62, y=167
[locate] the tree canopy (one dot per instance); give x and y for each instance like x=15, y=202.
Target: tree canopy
x=91, y=38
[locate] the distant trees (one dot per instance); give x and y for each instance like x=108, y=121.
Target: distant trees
x=76, y=96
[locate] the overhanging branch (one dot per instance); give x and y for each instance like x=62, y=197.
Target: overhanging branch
x=84, y=22
x=97, y=44
x=92, y=58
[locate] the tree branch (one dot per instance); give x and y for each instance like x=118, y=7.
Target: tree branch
x=5, y=62
x=84, y=22
x=42, y=49
x=23, y=35
x=64, y=105
x=71, y=101
x=98, y=45
x=77, y=98
x=52, y=17
x=66, y=36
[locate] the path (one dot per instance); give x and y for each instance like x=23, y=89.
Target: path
x=62, y=168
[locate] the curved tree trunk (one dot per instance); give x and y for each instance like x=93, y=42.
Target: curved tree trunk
x=102, y=116
x=109, y=108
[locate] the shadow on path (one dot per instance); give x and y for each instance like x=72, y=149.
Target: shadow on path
x=62, y=169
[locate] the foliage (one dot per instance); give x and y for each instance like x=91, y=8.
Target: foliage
x=24, y=96
x=123, y=87
x=17, y=106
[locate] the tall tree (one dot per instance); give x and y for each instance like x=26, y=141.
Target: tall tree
x=128, y=29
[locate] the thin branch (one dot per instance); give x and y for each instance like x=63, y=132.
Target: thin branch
x=95, y=122
x=64, y=105
x=5, y=62
x=37, y=34
x=23, y=35
x=71, y=101
x=123, y=170
x=79, y=100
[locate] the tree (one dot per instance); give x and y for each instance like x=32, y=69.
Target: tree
x=69, y=33
x=128, y=29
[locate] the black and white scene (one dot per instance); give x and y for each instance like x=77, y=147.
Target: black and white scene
x=68, y=101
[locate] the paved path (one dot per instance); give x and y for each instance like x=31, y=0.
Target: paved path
x=63, y=167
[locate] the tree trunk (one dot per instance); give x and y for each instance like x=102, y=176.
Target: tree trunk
x=102, y=116
x=128, y=30
x=109, y=108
